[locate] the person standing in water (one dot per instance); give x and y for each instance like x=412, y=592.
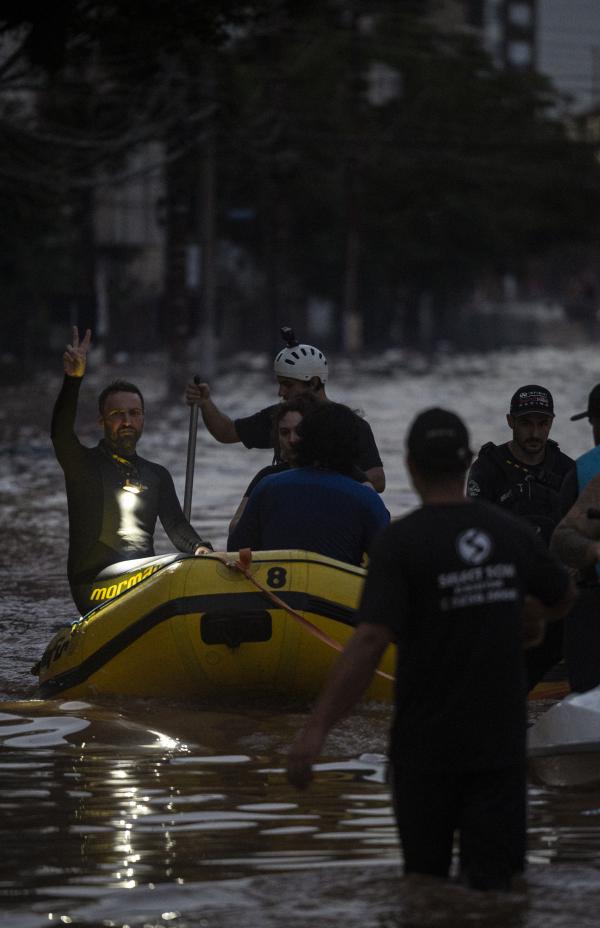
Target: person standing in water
x=525, y=476
x=448, y=584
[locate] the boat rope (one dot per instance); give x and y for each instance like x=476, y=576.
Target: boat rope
x=555, y=689
x=243, y=565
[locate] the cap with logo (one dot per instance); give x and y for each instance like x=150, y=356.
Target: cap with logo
x=532, y=399
x=593, y=407
x=438, y=440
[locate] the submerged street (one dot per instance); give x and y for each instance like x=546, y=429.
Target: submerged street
x=144, y=813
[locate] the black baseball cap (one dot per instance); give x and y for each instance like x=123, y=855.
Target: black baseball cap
x=438, y=440
x=593, y=408
x=532, y=398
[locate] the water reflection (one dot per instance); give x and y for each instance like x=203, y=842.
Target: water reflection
x=35, y=733
x=113, y=807
x=141, y=813
x=120, y=812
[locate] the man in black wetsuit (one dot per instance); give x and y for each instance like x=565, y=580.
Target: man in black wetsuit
x=460, y=586
x=299, y=369
x=114, y=496
x=524, y=476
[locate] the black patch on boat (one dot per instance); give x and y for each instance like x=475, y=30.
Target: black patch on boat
x=225, y=626
x=320, y=606
x=188, y=605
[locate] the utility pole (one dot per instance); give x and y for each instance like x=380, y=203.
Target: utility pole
x=352, y=323
x=176, y=309
x=207, y=233
x=595, y=50
x=190, y=291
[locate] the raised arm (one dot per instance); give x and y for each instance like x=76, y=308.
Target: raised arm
x=62, y=431
x=218, y=424
x=75, y=356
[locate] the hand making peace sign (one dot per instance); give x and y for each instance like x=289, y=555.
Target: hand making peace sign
x=74, y=358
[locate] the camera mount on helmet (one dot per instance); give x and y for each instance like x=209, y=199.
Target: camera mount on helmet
x=287, y=334
x=298, y=361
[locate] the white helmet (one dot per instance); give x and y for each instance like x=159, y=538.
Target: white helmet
x=301, y=362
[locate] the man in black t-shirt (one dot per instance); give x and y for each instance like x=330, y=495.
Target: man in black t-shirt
x=448, y=584
x=524, y=476
x=299, y=369
x=114, y=496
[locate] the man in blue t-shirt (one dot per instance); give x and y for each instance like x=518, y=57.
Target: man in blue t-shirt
x=317, y=505
x=448, y=583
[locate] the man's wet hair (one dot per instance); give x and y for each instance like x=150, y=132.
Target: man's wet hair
x=303, y=404
x=118, y=386
x=329, y=437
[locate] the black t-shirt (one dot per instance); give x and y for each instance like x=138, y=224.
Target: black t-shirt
x=256, y=431
x=266, y=472
x=529, y=491
x=106, y=523
x=449, y=580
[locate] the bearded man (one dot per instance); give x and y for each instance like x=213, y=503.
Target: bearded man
x=114, y=496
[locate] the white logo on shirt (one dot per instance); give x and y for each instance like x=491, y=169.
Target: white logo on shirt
x=474, y=546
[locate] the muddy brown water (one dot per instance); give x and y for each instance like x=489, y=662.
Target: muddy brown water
x=152, y=814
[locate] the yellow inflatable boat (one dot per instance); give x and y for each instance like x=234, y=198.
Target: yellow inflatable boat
x=201, y=628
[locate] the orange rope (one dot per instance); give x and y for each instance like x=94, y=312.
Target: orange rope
x=551, y=690
x=555, y=689
x=243, y=565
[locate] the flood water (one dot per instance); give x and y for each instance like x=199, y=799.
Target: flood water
x=151, y=814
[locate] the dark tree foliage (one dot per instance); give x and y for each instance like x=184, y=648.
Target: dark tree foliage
x=466, y=167
x=84, y=84
x=454, y=168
